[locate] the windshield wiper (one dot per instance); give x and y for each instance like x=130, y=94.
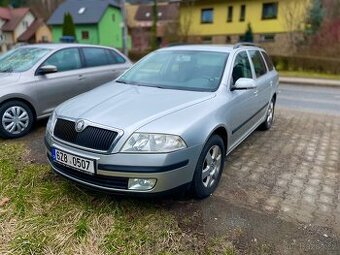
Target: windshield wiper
x=120, y=81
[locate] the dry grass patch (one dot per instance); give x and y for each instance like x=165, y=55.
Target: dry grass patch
x=47, y=215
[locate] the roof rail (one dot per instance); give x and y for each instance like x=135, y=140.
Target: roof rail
x=241, y=44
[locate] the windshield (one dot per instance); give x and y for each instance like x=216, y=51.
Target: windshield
x=21, y=59
x=186, y=70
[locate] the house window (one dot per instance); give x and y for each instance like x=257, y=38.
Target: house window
x=269, y=10
x=267, y=38
x=44, y=38
x=85, y=35
x=230, y=14
x=207, y=39
x=243, y=13
x=25, y=24
x=207, y=16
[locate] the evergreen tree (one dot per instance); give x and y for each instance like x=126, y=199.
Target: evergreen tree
x=68, y=26
x=5, y=3
x=248, y=36
x=315, y=17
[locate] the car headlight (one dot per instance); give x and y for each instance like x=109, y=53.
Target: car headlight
x=51, y=122
x=153, y=143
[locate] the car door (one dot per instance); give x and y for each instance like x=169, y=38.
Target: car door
x=262, y=81
x=101, y=66
x=54, y=88
x=241, y=107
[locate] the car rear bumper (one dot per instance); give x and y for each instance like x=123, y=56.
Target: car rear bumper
x=171, y=170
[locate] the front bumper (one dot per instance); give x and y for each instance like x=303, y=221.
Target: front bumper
x=171, y=170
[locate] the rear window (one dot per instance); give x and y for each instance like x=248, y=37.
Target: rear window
x=268, y=61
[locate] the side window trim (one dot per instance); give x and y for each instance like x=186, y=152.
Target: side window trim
x=252, y=66
x=36, y=73
x=265, y=61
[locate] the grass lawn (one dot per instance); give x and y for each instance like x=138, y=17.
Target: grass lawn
x=302, y=74
x=41, y=213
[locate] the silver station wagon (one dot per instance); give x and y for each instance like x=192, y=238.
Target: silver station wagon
x=35, y=79
x=166, y=123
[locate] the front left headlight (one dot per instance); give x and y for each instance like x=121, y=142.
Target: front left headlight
x=153, y=143
x=51, y=122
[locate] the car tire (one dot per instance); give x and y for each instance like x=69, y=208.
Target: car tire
x=209, y=168
x=16, y=119
x=268, y=123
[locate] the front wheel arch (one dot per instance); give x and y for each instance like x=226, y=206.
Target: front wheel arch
x=22, y=101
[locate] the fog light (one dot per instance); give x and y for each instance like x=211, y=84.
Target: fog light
x=141, y=184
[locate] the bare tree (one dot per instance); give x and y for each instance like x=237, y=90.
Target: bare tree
x=295, y=14
x=186, y=17
x=44, y=8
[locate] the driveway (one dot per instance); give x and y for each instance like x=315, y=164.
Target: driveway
x=280, y=190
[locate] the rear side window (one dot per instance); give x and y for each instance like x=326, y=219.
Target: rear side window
x=115, y=58
x=268, y=61
x=96, y=57
x=258, y=62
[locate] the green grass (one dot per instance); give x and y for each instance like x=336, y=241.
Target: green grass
x=303, y=74
x=49, y=215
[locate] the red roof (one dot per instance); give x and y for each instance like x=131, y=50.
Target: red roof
x=16, y=16
x=5, y=13
x=31, y=30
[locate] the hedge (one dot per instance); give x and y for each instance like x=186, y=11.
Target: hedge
x=303, y=63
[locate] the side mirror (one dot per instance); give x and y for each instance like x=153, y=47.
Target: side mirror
x=47, y=69
x=244, y=83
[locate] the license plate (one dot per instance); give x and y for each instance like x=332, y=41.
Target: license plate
x=78, y=163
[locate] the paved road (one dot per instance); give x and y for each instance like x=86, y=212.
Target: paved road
x=310, y=98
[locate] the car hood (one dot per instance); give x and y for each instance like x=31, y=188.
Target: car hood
x=127, y=106
x=8, y=78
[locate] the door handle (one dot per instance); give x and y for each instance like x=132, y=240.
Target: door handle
x=256, y=92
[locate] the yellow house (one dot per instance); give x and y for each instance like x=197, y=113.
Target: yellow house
x=219, y=21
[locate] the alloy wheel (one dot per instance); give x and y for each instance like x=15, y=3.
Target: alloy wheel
x=211, y=166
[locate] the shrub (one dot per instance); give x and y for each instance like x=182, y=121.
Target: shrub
x=303, y=63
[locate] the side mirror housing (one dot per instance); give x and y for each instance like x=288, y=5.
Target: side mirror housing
x=47, y=69
x=244, y=83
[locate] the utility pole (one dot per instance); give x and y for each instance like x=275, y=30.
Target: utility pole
x=154, y=42
x=124, y=26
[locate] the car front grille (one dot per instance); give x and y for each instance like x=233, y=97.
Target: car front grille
x=91, y=137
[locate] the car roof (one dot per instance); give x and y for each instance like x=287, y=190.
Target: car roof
x=210, y=47
x=58, y=46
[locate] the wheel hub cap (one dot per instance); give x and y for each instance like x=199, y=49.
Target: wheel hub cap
x=15, y=120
